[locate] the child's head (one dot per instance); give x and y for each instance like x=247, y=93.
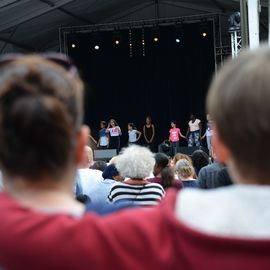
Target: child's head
x=148, y=120
x=173, y=124
x=103, y=124
x=131, y=126
x=113, y=123
x=238, y=102
x=192, y=117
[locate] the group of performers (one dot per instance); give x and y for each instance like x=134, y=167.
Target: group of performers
x=109, y=134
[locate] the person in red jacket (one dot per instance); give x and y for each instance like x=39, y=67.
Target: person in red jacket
x=43, y=228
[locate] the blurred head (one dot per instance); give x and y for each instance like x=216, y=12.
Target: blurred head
x=103, y=124
x=131, y=126
x=87, y=160
x=163, y=170
x=135, y=162
x=113, y=123
x=99, y=165
x=192, y=117
x=148, y=120
x=112, y=173
x=179, y=156
x=40, y=119
x=208, y=117
x=161, y=161
x=199, y=160
x=184, y=169
x=173, y=124
x=238, y=102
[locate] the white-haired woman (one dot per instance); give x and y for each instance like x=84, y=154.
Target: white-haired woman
x=185, y=172
x=136, y=163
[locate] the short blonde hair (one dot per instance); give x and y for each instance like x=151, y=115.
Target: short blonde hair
x=135, y=162
x=184, y=169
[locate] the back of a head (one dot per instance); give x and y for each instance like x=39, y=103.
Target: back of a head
x=135, y=162
x=199, y=160
x=99, y=165
x=184, y=169
x=179, y=156
x=40, y=112
x=88, y=158
x=162, y=166
x=110, y=172
x=238, y=102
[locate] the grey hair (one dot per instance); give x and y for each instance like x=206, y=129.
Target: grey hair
x=184, y=168
x=135, y=162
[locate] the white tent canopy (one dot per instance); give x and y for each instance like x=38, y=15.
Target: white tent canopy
x=32, y=25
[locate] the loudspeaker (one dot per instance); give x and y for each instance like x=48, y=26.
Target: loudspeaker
x=189, y=150
x=104, y=154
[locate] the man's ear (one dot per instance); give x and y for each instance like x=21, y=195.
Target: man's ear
x=82, y=141
x=220, y=149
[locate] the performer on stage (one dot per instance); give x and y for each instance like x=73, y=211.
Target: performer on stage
x=103, y=142
x=194, y=131
x=174, y=137
x=149, y=133
x=115, y=133
x=208, y=134
x=133, y=134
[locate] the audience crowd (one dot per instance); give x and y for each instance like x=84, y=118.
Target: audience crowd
x=61, y=209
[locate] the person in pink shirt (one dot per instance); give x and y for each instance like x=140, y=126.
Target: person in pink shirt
x=174, y=138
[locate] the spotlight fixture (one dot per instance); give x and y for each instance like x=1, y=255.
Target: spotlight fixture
x=117, y=38
x=179, y=33
x=95, y=40
x=234, y=22
x=204, y=29
x=155, y=34
x=73, y=45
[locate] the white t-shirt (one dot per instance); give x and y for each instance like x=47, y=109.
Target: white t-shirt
x=115, y=131
x=132, y=136
x=195, y=125
x=89, y=178
x=104, y=141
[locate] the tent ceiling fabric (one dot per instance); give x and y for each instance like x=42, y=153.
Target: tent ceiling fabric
x=33, y=24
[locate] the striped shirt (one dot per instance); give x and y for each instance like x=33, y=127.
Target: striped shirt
x=144, y=195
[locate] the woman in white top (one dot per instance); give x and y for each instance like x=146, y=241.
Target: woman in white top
x=115, y=132
x=194, y=131
x=133, y=134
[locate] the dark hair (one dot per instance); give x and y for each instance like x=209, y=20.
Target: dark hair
x=83, y=198
x=99, y=165
x=199, y=160
x=110, y=172
x=103, y=123
x=40, y=113
x=162, y=167
x=174, y=122
x=132, y=125
x=238, y=102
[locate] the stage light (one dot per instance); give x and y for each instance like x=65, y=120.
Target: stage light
x=95, y=40
x=155, y=34
x=179, y=32
x=96, y=47
x=117, y=38
x=204, y=29
x=73, y=45
x=234, y=22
